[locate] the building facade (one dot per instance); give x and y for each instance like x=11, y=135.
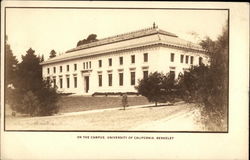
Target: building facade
x=115, y=64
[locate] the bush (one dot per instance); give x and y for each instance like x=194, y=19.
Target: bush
x=48, y=99
x=201, y=86
x=30, y=104
x=157, y=87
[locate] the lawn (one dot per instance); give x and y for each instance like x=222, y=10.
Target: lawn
x=83, y=103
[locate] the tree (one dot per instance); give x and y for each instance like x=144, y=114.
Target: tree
x=89, y=39
x=156, y=87
x=208, y=85
x=52, y=53
x=10, y=65
x=29, y=72
x=33, y=95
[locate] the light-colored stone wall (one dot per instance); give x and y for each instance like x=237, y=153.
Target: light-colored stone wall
x=158, y=60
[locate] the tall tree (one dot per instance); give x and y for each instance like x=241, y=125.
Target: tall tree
x=34, y=95
x=29, y=72
x=10, y=65
x=52, y=53
x=208, y=85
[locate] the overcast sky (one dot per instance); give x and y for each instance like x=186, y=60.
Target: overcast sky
x=61, y=29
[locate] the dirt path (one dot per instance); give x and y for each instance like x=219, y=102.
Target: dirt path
x=115, y=119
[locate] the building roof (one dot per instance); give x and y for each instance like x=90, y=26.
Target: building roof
x=144, y=37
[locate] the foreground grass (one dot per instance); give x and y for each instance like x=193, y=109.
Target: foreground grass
x=81, y=103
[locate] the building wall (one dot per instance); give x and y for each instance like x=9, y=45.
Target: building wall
x=159, y=59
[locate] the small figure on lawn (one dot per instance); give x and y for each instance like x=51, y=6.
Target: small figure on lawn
x=124, y=101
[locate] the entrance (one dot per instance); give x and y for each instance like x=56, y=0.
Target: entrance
x=86, y=79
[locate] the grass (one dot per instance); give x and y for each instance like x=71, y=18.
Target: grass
x=81, y=103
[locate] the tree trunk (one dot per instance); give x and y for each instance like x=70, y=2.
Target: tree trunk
x=155, y=103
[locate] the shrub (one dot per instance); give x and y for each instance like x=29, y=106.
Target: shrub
x=157, y=87
x=30, y=104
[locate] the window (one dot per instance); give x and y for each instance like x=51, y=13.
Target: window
x=67, y=82
x=54, y=68
x=75, y=82
x=67, y=67
x=83, y=65
x=110, y=61
x=145, y=74
x=200, y=61
x=90, y=64
x=87, y=65
x=121, y=79
x=61, y=82
x=54, y=81
x=182, y=58
x=132, y=78
x=172, y=74
x=100, y=63
x=110, y=79
x=121, y=60
x=75, y=67
x=133, y=59
x=145, y=57
x=48, y=70
x=60, y=68
x=172, y=57
x=100, y=80
x=192, y=59
x=187, y=59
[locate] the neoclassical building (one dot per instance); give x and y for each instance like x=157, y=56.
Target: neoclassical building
x=114, y=64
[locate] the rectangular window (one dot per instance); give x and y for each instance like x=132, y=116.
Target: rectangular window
x=121, y=60
x=145, y=57
x=187, y=59
x=75, y=82
x=110, y=79
x=87, y=65
x=133, y=59
x=121, y=79
x=75, y=67
x=182, y=58
x=67, y=67
x=90, y=64
x=145, y=74
x=172, y=74
x=83, y=65
x=100, y=63
x=172, y=57
x=110, y=61
x=132, y=78
x=67, y=82
x=192, y=59
x=61, y=83
x=100, y=80
x=48, y=70
x=54, y=68
x=60, y=68
x=200, y=61
x=54, y=81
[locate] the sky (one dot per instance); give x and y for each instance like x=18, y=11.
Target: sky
x=61, y=29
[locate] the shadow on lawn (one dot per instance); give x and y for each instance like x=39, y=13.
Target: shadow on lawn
x=159, y=105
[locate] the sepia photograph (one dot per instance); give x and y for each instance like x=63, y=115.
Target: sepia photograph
x=124, y=80
x=111, y=69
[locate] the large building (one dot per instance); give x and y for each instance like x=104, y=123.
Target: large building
x=115, y=64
